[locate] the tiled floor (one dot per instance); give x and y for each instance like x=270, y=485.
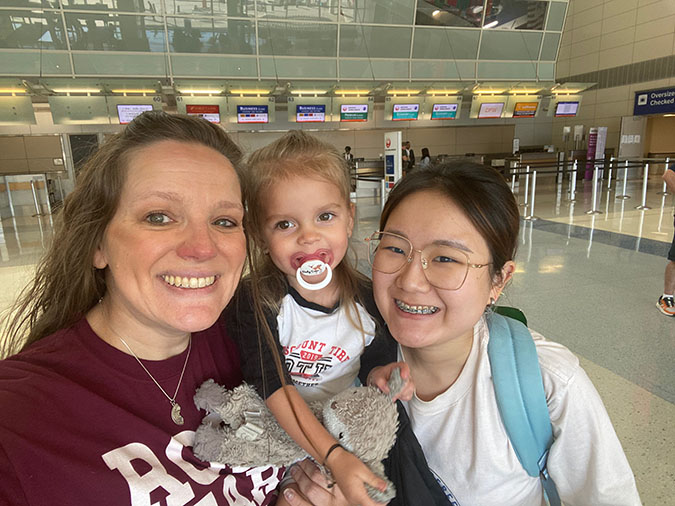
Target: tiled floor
x=588, y=281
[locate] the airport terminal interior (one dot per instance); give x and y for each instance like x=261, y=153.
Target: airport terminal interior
x=573, y=101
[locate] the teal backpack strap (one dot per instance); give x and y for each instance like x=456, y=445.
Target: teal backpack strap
x=520, y=397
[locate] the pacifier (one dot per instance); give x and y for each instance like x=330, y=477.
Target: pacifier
x=313, y=266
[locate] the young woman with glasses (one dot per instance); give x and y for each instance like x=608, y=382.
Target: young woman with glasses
x=444, y=251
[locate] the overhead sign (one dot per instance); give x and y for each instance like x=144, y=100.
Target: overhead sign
x=252, y=114
x=210, y=112
x=525, y=109
x=659, y=101
x=444, y=111
x=127, y=112
x=354, y=112
x=403, y=112
x=311, y=113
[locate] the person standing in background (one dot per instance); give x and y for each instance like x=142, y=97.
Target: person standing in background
x=347, y=155
x=426, y=159
x=410, y=155
x=666, y=302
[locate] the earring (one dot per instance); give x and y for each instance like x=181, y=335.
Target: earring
x=491, y=306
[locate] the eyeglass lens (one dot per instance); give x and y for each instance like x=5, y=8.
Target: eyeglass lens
x=446, y=267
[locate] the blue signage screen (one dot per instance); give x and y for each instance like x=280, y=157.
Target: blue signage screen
x=252, y=114
x=310, y=113
x=389, y=164
x=660, y=101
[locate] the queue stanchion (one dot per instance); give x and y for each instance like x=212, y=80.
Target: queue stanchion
x=665, y=187
x=623, y=195
x=527, y=187
x=513, y=181
x=383, y=192
x=573, y=183
x=38, y=211
x=643, y=206
x=594, y=209
x=531, y=216
x=609, y=173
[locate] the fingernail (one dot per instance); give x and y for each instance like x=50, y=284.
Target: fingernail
x=289, y=494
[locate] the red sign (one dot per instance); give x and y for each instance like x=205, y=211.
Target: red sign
x=209, y=112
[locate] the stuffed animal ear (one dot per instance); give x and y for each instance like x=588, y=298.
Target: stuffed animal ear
x=395, y=383
x=210, y=396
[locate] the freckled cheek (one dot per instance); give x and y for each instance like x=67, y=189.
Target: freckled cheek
x=234, y=248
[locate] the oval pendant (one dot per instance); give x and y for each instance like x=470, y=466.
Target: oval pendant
x=175, y=414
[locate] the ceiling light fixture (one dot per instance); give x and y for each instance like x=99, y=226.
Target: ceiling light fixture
x=250, y=92
x=399, y=93
x=491, y=24
x=135, y=91
x=12, y=90
x=442, y=92
x=76, y=90
x=190, y=91
x=351, y=92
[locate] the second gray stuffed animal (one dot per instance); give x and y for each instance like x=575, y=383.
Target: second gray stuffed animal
x=239, y=430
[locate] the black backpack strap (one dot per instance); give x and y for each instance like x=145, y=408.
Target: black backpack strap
x=407, y=468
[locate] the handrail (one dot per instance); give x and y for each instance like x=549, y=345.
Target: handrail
x=531, y=165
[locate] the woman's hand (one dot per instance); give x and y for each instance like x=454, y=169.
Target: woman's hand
x=379, y=377
x=310, y=488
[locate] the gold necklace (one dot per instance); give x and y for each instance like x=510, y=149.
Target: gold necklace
x=175, y=407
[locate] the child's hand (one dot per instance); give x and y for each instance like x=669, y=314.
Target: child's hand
x=379, y=377
x=350, y=474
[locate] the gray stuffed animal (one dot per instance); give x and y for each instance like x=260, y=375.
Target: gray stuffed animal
x=239, y=430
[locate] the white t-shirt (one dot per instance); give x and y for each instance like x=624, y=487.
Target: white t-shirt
x=468, y=450
x=322, y=348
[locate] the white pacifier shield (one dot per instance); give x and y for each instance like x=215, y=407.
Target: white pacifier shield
x=314, y=267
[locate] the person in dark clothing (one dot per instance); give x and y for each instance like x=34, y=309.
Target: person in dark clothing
x=410, y=155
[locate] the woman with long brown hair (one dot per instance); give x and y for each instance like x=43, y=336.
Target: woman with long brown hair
x=122, y=322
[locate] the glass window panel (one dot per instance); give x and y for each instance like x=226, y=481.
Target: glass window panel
x=504, y=70
x=439, y=43
x=387, y=12
x=443, y=69
x=211, y=35
x=547, y=71
x=35, y=4
x=31, y=30
x=35, y=63
x=374, y=41
x=210, y=7
x=373, y=69
x=297, y=39
x=556, y=16
x=209, y=66
x=298, y=67
x=518, y=45
x=516, y=15
x=115, y=32
x=549, y=48
x=153, y=6
x=299, y=10
x=450, y=13
x=125, y=65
